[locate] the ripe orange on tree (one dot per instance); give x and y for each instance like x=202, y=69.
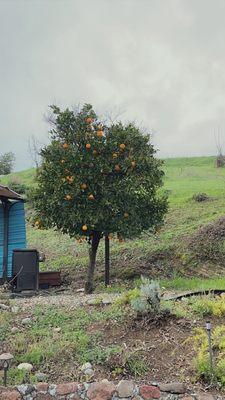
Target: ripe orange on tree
x=117, y=167
x=62, y=161
x=122, y=146
x=84, y=227
x=69, y=179
x=65, y=145
x=133, y=164
x=115, y=155
x=91, y=197
x=88, y=146
x=89, y=120
x=99, y=134
x=68, y=197
x=83, y=186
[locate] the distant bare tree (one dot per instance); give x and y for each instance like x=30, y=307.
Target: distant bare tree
x=220, y=159
x=34, y=147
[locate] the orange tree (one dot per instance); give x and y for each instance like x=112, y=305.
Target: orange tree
x=97, y=179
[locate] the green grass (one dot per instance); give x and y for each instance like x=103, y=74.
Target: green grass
x=43, y=347
x=164, y=254
x=26, y=177
x=187, y=176
x=182, y=283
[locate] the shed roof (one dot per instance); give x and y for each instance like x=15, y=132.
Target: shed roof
x=6, y=193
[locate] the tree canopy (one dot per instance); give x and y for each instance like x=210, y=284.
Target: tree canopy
x=7, y=161
x=97, y=179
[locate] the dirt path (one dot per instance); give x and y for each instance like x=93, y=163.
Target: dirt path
x=69, y=299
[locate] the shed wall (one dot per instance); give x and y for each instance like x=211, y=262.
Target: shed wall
x=17, y=232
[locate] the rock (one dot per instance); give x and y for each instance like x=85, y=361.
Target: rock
x=101, y=390
x=92, y=302
x=43, y=396
x=66, y=388
x=42, y=387
x=52, y=390
x=26, y=321
x=125, y=388
x=106, y=302
x=173, y=387
x=57, y=330
x=25, y=389
x=10, y=395
x=205, y=396
x=89, y=372
x=6, y=357
x=4, y=307
x=14, y=329
x=41, y=377
x=187, y=398
x=25, y=366
x=15, y=309
x=149, y=392
x=85, y=366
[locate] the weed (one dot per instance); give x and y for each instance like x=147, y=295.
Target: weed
x=135, y=365
x=202, y=361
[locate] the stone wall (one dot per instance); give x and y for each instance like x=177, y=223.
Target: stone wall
x=103, y=390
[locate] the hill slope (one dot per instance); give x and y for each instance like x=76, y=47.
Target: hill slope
x=165, y=254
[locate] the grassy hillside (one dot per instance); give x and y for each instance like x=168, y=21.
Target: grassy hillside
x=165, y=254
x=26, y=177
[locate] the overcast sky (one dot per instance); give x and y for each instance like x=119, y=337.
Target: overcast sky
x=161, y=62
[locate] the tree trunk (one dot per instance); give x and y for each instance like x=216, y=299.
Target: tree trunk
x=89, y=284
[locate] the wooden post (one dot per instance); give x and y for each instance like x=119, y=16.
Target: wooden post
x=106, y=259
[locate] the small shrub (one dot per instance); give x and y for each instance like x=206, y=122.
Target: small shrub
x=199, y=197
x=148, y=300
x=17, y=186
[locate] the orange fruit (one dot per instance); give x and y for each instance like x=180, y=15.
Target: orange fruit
x=89, y=120
x=100, y=134
x=115, y=155
x=83, y=186
x=126, y=215
x=117, y=167
x=65, y=145
x=84, y=227
x=62, y=161
x=91, y=197
x=37, y=223
x=122, y=146
x=88, y=146
x=68, y=197
x=70, y=179
x=133, y=163
x=95, y=152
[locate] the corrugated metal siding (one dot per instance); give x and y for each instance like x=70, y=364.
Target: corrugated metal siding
x=17, y=232
x=1, y=239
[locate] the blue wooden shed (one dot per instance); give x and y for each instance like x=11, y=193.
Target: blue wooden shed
x=12, y=229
